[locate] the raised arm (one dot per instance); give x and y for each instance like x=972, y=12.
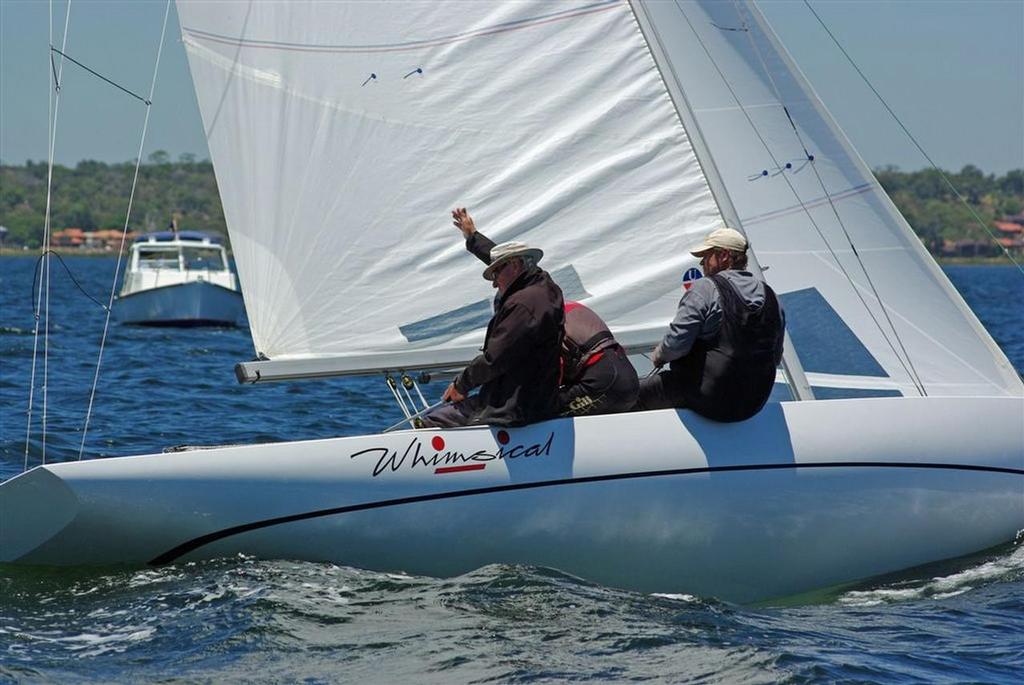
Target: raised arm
x=477, y=243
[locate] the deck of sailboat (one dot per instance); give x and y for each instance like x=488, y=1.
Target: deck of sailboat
x=655, y=501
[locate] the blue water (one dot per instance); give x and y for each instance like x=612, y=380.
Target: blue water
x=246, y=620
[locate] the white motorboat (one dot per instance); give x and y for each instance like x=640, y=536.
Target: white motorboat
x=615, y=135
x=179, y=278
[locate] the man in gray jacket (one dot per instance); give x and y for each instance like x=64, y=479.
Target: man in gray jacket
x=725, y=342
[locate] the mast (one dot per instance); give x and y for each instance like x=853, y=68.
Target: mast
x=791, y=366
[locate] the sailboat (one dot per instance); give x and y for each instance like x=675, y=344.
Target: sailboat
x=614, y=135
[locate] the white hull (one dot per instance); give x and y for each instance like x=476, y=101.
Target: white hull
x=802, y=496
x=192, y=303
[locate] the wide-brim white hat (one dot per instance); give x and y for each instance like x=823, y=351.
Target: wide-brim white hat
x=503, y=252
x=721, y=238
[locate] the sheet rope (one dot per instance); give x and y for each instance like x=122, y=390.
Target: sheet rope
x=71, y=275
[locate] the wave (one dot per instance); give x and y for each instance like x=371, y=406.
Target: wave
x=1004, y=567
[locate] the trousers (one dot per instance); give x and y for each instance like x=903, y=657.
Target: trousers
x=608, y=386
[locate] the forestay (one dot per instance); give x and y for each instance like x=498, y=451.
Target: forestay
x=737, y=77
x=343, y=133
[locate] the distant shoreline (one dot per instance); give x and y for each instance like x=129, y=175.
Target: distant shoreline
x=63, y=252
x=973, y=261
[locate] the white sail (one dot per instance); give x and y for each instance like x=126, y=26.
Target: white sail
x=737, y=77
x=343, y=133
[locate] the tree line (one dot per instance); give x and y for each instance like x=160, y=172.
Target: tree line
x=94, y=195
x=936, y=213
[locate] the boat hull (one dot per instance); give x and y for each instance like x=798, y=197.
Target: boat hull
x=802, y=496
x=194, y=303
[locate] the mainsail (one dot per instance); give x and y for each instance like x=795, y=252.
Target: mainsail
x=341, y=133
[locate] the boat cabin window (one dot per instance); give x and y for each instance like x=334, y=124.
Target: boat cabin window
x=203, y=258
x=151, y=259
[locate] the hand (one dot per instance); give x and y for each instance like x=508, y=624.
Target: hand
x=463, y=221
x=656, y=358
x=452, y=394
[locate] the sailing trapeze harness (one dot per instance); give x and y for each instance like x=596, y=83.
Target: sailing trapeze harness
x=585, y=341
x=730, y=377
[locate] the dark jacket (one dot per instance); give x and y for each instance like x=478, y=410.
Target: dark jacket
x=730, y=377
x=585, y=333
x=518, y=371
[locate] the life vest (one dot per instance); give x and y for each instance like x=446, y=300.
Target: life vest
x=586, y=338
x=731, y=376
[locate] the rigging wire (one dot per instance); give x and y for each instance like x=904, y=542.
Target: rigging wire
x=124, y=231
x=71, y=275
x=53, y=107
x=789, y=183
x=100, y=76
x=920, y=149
x=912, y=371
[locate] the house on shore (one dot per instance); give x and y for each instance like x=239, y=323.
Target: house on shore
x=1010, y=233
x=107, y=240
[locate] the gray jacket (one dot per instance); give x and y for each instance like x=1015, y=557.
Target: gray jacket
x=700, y=313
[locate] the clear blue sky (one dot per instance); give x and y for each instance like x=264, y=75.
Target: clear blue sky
x=953, y=70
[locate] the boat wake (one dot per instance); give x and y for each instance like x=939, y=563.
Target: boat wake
x=1006, y=566
x=244, y=619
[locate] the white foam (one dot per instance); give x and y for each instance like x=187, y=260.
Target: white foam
x=678, y=598
x=149, y=577
x=92, y=644
x=942, y=587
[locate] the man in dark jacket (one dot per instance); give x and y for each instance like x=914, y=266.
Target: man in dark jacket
x=596, y=377
x=518, y=371
x=724, y=342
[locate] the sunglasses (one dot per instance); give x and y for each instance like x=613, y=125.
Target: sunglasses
x=497, y=270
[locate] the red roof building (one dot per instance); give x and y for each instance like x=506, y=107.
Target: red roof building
x=1008, y=226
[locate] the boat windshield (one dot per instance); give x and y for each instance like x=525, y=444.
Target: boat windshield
x=203, y=258
x=156, y=258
